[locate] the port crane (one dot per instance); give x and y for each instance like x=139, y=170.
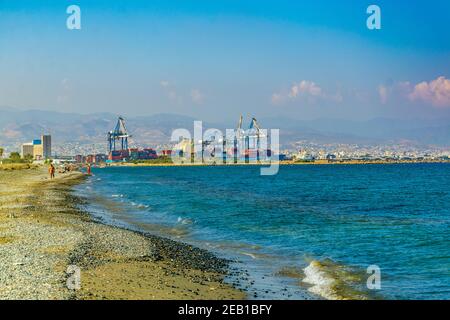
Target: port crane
x=255, y=132
x=118, y=137
x=241, y=139
x=238, y=135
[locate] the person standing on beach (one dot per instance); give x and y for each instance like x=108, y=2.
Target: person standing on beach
x=89, y=169
x=51, y=171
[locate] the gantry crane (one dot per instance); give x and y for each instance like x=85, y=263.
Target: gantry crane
x=237, y=136
x=120, y=135
x=254, y=131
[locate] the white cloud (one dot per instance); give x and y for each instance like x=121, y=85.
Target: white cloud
x=393, y=91
x=436, y=92
x=277, y=98
x=170, y=91
x=179, y=96
x=383, y=93
x=197, y=96
x=306, y=90
x=305, y=87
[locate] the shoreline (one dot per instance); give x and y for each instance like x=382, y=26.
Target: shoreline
x=43, y=231
x=282, y=163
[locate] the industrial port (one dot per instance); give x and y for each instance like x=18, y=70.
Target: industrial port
x=243, y=144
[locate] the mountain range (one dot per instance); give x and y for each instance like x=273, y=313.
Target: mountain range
x=18, y=126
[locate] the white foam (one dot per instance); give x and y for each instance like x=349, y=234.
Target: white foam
x=251, y=255
x=184, y=221
x=322, y=283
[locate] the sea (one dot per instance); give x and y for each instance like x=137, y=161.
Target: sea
x=309, y=232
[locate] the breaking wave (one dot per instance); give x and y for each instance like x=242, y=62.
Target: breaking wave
x=332, y=281
x=184, y=221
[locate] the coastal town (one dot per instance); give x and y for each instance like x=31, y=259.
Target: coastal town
x=41, y=149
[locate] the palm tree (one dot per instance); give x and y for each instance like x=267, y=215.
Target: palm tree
x=1, y=152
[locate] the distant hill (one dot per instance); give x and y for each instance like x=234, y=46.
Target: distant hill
x=18, y=126
x=375, y=131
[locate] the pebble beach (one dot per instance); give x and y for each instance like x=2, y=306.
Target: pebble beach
x=43, y=233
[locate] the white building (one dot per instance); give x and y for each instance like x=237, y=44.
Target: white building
x=27, y=150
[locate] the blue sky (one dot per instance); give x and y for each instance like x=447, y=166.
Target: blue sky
x=217, y=59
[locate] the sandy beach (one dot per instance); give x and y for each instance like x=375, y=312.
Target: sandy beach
x=43, y=232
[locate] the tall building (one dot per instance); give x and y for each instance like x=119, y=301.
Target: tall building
x=46, y=146
x=38, y=150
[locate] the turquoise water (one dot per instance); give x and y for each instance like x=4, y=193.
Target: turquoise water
x=308, y=232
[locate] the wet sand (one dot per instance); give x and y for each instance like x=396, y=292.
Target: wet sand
x=43, y=231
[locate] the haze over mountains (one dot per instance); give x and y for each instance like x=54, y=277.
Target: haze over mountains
x=17, y=126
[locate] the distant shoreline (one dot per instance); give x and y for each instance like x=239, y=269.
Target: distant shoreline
x=281, y=163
